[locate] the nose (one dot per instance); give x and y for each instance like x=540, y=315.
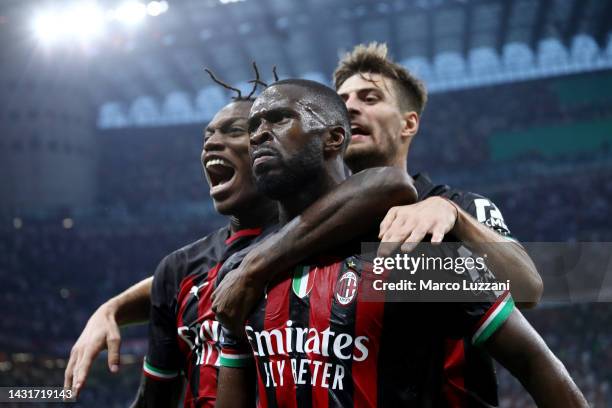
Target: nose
x=353, y=105
x=261, y=135
x=213, y=143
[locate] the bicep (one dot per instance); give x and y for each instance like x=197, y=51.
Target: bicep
x=515, y=343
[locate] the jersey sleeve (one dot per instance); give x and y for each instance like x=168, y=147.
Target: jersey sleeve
x=479, y=319
x=162, y=361
x=484, y=210
x=235, y=352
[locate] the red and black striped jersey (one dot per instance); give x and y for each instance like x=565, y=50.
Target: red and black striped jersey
x=183, y=332
x=319, y=340
x=470, y=378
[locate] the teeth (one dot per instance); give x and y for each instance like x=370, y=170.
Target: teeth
x=220, y=162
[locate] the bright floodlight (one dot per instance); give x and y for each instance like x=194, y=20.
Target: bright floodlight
x=155, y=8
x=48, y=27
x=131, y=12
x=85, y=22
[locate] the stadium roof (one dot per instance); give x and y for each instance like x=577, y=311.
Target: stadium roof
x=157, y=69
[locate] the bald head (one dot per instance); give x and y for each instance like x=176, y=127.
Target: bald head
x=319, y=106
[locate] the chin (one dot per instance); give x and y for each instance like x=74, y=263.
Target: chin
x=224, y=207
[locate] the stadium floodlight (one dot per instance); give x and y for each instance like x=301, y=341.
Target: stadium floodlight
x=131, y=12
x=49, y=27
x=155, y=8
x=85, y=21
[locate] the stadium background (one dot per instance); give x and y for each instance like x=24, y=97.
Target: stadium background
x=101, y=121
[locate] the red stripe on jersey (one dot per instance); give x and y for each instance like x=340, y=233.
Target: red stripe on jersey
x=182, y=299
x=277, y=315
x=243, y=233
x=262, y=397
x=321, y=298
x=207, y=387
x=368, y=322
x=454, y=376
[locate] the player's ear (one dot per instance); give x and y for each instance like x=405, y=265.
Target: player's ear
x=334, y=140
x=410, y=122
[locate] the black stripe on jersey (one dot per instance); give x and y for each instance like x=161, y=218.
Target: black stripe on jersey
x=299, y=313
x=403, y=372
x=479, y=375
x=342, y=320
x=258, y=320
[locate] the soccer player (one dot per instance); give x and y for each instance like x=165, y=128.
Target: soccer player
x=315, y=341
x=182, y=287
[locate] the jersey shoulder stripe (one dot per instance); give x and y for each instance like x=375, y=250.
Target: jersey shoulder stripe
x=494, y=318
x=235, y=359
x=157, y=373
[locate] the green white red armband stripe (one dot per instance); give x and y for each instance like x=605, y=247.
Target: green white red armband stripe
x=235, y=358
x=156, y=373
x=493, y=319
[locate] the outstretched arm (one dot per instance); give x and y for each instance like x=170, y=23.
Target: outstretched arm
x=437, y=216
x=519, y=348
x=154, y=393
x=353, y=208
x=102, y=331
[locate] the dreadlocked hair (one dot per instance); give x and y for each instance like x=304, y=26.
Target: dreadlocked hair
x=238, y=93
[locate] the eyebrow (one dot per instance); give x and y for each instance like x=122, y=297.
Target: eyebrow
x=227, y=122
x=361, y=90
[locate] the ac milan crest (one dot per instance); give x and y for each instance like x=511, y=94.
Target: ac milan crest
x=346, y=288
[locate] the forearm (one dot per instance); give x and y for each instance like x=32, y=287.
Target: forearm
x=550, y=385
x=521, y=350
x=236, y=388
x=133, y=304
x=506, y=258
x=353, y=208
x=162, y=394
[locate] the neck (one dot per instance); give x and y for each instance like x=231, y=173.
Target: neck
x=398, y=161
x=262, y=214
x=294, y=204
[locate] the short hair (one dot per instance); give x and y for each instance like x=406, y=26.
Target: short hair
x=334, y=111
x=372, y=58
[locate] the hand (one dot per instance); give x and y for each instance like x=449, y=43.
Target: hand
x=236, y=296
x=101, y=332
x=407, y=225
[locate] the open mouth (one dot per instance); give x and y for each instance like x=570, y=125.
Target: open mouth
x=220, y=172
x=357, y=130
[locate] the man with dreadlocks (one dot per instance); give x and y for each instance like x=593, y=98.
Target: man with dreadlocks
x=183, y=332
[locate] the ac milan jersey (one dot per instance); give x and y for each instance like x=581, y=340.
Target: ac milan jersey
x=317, y=342
x=183, y=332
x=470, y=379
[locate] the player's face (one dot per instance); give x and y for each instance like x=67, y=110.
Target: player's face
x=225, y=157
x=376, y=120
x=285, y=140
